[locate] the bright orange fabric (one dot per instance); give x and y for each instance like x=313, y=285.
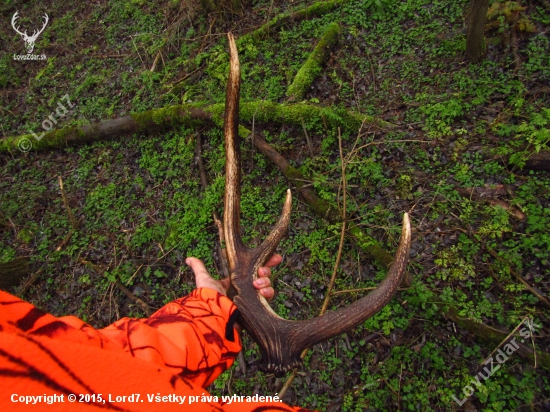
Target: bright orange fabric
x=176, y=352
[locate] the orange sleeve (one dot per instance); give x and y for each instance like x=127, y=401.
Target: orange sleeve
x=166, y=359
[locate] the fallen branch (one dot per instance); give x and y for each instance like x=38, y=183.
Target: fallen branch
x=134, y=298
x=494, y=337
x=473, y=194
x=25, y=286
x=538, y=161
x=312, y=67
x=315, y=10
x=142, y=122
x=192, y=115
x=321, y=206
x=535, y=292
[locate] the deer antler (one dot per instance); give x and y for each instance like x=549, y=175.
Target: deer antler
x=282, y=341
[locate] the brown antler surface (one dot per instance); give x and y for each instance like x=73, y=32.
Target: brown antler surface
x=282, y=341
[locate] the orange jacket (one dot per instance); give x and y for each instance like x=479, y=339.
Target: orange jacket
x=163, y=362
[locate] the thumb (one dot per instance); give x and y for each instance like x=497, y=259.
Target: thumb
x=202, y=278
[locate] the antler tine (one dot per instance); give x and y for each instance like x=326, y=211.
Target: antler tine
x=334, y=323
x=231, y=215
x=266, y=249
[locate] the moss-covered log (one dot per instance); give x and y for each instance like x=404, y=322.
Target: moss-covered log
x=142, y=122
x=313, y=65
x=315, y=10
x=13, y=271
x=494, y=337
x=159, y=119
x=321, y=206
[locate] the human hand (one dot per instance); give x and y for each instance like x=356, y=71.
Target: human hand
x=262, y=283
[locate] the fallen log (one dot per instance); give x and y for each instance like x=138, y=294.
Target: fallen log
x=315, y=10
x=191, y=115
x=312, y=67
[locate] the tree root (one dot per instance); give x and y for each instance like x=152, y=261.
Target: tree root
x=312, y=67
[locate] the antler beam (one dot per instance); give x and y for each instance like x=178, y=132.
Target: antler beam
x=282, y=341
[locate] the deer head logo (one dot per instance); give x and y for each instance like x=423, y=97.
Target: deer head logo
x=29, y=40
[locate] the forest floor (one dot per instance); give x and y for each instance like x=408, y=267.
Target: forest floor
x=451, y=153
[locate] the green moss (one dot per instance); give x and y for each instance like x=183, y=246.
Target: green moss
x=156, y=117
x=371, y=247
x=262, y=111
x=315, y=10
x=294, y=114
x=171, y=115
x=313, y=66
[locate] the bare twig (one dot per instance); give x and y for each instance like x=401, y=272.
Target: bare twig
x=73, y=221
x=519, y=277
x=336, y=264
x=515, y=49
x=309, y=145
x=158, y=56
x=100, y=271
x=343, y=232
x=65, y=241
x=134, y=298
x=504, y=340
x=30, y=281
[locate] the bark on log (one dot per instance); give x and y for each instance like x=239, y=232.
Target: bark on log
x=13, y=271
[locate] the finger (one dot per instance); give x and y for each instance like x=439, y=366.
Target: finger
x=262, y=283
x=264, y=271
x=267, y=293
x=274, y=260
x=202, y=278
